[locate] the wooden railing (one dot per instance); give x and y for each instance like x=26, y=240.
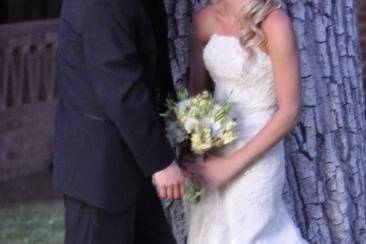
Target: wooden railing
x=27, y=63
x=28, y=92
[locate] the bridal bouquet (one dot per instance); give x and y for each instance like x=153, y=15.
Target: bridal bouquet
x=196, y=125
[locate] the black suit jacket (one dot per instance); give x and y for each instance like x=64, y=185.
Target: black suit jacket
x=114, y=74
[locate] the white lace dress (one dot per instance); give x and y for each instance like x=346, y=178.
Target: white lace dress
x=249, y=209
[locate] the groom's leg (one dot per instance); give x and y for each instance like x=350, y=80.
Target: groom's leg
x=151, y=224
x=89, y=225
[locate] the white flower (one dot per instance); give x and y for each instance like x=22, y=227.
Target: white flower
x=190, y=124
x=217, y=129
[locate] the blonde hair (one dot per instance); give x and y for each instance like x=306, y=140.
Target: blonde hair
x=252, y=13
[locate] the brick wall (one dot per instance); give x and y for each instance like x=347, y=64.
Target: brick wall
x=28, y=94
x=362, y=18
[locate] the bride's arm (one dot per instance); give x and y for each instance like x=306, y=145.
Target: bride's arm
x=198, y=78
x=282, y=48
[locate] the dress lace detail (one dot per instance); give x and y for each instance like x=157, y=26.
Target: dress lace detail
x=249, y=209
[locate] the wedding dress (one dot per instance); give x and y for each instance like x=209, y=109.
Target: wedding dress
x=249, y=209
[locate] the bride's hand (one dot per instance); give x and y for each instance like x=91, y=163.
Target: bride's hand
x=216, y=171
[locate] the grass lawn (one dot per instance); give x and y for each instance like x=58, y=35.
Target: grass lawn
x=32, y=223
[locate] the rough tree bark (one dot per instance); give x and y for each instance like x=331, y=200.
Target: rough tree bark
x=326, y=152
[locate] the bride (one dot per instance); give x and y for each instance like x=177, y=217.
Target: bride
x=248, y=48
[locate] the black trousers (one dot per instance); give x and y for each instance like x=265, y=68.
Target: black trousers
x=143, y=224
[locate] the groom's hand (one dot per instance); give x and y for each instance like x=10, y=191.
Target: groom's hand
x=169, y=182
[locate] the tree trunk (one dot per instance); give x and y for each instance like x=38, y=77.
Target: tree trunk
x=326, y=152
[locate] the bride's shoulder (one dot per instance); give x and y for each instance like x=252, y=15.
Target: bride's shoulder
x=204, y=13
x=277, y=21
x=204, y=22
x=279, y=32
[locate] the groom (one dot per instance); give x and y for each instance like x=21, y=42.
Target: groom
x=113, y=69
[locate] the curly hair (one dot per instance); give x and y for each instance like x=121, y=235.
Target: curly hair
x=252, y=13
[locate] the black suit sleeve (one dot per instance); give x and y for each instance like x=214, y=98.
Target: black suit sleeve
x=112, y=60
